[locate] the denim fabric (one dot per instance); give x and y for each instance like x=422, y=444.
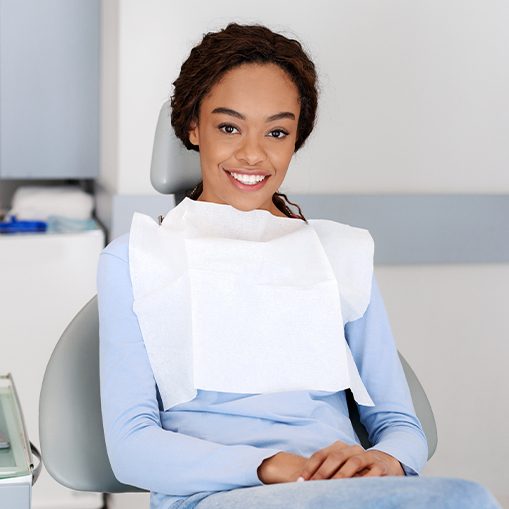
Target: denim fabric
x=356, y=493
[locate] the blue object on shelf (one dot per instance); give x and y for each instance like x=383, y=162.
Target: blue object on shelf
x=15, y=226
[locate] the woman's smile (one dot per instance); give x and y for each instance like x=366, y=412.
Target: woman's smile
x=247, y=181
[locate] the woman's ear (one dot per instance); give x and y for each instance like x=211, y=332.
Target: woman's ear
x=193, y=133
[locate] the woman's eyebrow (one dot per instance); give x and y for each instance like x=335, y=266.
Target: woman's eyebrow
x=283, y=114
x=236, y=114
x=228, y=111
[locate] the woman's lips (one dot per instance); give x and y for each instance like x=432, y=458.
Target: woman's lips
x=246, y=187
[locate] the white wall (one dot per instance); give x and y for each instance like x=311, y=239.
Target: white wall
x=413, y=93
x=450, y=324
x=414, y=100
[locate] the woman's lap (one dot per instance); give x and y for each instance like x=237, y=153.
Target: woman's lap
x=357, y=493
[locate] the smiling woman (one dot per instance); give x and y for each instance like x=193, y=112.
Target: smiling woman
x=231, y=332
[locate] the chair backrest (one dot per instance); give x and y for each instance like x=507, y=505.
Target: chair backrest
x=70, y=422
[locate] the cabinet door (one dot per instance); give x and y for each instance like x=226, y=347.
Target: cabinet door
x=49, y=88
x=45, y=279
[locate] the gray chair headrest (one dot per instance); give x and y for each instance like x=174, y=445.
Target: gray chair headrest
x=174, y=169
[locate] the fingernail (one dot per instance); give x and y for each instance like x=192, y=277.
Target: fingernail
x=300, y=479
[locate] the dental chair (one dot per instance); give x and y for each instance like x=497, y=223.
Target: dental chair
x=70, y=423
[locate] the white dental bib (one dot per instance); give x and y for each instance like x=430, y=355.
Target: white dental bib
x=248, y=302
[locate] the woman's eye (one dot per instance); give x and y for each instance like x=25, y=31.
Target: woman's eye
x=278, y=133
x=228, y=129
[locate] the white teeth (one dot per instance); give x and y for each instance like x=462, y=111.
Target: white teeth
x=248, y=179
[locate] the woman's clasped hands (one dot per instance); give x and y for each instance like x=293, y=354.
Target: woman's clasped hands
x=337, y=461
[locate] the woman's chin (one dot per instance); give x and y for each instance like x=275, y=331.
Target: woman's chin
x=247, y=205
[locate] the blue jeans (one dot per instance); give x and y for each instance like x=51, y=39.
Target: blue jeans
x=353, y=493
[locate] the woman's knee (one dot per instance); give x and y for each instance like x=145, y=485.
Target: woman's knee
x=462, y=493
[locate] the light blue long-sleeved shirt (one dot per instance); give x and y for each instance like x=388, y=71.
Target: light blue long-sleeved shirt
x=216, y=441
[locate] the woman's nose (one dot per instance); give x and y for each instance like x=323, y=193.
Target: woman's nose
x=251, y=151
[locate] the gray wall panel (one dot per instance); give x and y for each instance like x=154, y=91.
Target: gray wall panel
x=414, y=229
x=408, y=229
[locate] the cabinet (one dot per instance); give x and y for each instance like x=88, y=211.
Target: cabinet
x=49, y=89
x=45, y=279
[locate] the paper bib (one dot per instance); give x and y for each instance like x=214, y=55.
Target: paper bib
x=247, y=302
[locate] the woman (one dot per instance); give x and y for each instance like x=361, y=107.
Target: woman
x=246, y=99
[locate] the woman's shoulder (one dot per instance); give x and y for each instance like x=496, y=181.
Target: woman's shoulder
x=113, y=265
x=118, y=247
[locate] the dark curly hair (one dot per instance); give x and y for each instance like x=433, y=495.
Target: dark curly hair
x=219, y=52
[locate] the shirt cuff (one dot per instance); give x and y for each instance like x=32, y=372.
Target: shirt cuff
x=406, y=449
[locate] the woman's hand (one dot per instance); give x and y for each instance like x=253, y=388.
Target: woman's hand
x=282, y=467
x=340, y=460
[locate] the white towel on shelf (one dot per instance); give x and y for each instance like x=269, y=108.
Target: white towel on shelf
x=248, y=302
x=40, y=202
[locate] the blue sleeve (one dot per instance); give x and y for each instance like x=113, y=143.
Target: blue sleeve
x=391, y=424
x=140, y=451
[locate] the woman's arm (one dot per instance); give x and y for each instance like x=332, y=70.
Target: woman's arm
x=399, y=442
x=391, y=424
x=140, y=451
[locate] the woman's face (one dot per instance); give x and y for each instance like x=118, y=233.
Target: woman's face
x=247, y=126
